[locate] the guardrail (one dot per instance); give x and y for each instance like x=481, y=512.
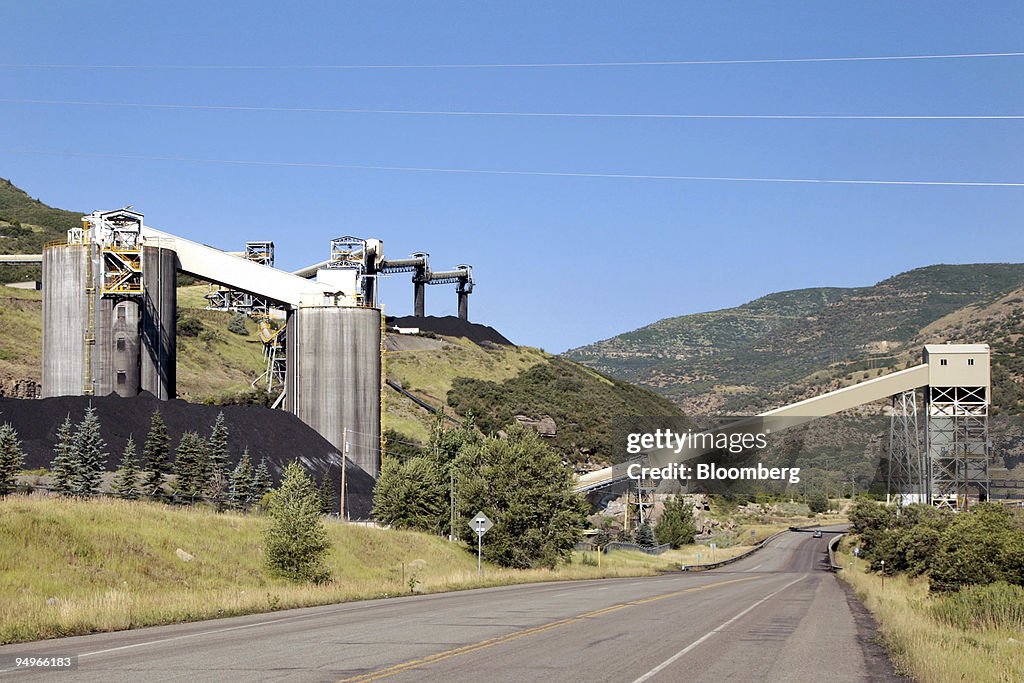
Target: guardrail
x=625, y=545
x=737, y=558
x=832, y=545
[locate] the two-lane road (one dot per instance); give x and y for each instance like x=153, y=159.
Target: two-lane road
x=778, y=615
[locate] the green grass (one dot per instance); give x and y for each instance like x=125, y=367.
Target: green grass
x=430, y=373
x=72, y=566
x=217, y=362
x=21, y=333
x=936, y=639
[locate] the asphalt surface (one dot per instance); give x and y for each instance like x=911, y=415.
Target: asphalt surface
x=778, y=615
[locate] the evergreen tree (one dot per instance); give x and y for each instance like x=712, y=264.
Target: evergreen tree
x=296, y=542
x=92, y=455
x=217, y=452
x=644, y=536
x=326, y=495
x=261, y=481
x=676, y=526
x=242, y=483
x=156, y=452
x=65, y=459
x=189, y=466
x=12, y=458
x=126, y=483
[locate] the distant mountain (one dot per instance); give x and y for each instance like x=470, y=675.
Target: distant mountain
x=792, y=344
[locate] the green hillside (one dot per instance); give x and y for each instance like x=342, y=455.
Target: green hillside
x=26, y=224
x=495, y=384
x=784, y=345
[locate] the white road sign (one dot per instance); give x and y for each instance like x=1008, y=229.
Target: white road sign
x=481, y=524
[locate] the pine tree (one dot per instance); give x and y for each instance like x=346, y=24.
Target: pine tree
x=156, y=453
x=325, y=492
x=644, y=536
x=126, y=483
x=296, y=542
x=190, y=466
x=261, y=481
x=242, y=483
x=92, y=455
x=676, y=526
x=217, y=452
x=65, y=459
x=12, y=458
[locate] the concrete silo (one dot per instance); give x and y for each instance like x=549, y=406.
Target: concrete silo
x=108, y=311
x=334, y=377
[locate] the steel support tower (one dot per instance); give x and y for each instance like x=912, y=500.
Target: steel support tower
x=907, y=478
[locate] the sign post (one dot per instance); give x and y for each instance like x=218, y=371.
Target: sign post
x=481, y=525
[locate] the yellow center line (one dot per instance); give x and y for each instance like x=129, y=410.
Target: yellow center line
x=498, y=640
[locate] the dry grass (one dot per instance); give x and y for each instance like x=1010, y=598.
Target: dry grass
x=925, y=648
x=71, y=567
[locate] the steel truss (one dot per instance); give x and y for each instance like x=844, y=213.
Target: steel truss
x=958, y=445
x=907, y=479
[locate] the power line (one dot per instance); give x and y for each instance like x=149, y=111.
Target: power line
x=495, y=172
x=511, y=65
x=533, y=114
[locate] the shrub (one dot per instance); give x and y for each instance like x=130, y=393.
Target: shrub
x=979, y=547
x=237, y=325
x=997, y=606
x=818, y=503
x=189, y=326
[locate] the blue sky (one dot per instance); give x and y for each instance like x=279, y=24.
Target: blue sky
x=560, y=261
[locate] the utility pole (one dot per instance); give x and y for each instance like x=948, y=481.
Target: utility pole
x=344, y=461
x=451, y=501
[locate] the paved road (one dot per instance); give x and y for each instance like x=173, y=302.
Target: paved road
x=775, y=616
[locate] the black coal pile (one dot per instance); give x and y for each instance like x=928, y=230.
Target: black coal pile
x=278, y=436
x=452, y=326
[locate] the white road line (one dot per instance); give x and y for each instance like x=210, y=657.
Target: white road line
x=755, y=568
x=192, y=635
x=661, y=667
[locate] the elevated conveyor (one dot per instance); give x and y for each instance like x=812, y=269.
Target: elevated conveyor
x=236, y=272
x=781, y=418
x=21, y=259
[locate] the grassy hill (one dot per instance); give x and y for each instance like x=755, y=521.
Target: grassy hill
x=494, y=384
x=791, y=344
x=26, y=224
